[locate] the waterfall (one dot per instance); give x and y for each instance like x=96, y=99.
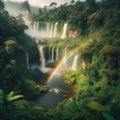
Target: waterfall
x=74, y=66
x=37, y=26
x=27, y=60
x=43, y=68
x=37, y=42
x=52, y=57
x=57, y=52
x=49, y=54
x=48, y=29
x=64, y=31
x=51, y=31
x=65, y=55
x=42, y=58
x=55, y=30
x=34, y=26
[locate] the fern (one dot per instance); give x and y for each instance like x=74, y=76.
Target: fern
x=107, y=116
x=72, y=103
x=1, y=96
x=96, y=106
x=12, y=97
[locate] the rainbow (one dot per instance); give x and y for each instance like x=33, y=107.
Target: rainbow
x=71, y=52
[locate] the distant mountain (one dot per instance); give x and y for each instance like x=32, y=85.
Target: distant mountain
x=14, y=8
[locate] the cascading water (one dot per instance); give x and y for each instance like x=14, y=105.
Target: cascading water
x=64, y=31
x=57, y=53
x=37, y=42
x=51, y=31
x=56, y=86
x=42, y=58
x=37, y=26
x=52, y=56
x=49, y=54
x=55, y=30
x=48, y=29
x=42, y=67
x=45, y=29
x=27, y=60
x=65, y=55
x=33, y=30
x=74, y=66
x=33, y=27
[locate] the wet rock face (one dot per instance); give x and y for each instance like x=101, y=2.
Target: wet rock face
x=83, y=64
x=72, y=33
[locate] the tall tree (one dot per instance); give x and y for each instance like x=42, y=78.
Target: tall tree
x=53, y=4
x=92, y=5
x=26, y=8
x=72, y=2
x=40, y=11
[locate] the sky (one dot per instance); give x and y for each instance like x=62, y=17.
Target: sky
x=42, y=3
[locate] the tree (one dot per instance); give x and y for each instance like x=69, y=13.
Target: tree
x=6, y=104
x=96, y=19
x=40, y=11
x=53, y=5
x=25, y=7
x=72, y=2
x=10, y=46
x=92, y=5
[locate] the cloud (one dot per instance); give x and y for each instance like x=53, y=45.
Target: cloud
x=42, y=3
x=47, y=2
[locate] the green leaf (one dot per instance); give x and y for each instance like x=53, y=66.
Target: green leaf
x=1, y=96
x=73, y=105
x=15, y=97
x=96, y=106
x=12, y=97
x=107, y=116
x=76, y=116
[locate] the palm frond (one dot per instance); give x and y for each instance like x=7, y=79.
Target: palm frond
x=107, y=116
x=72, y=103
x=12, y=97
x=96, y=106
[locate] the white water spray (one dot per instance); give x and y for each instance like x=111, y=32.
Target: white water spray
x=45, y=29
x=48, y=29
x=64, y=31
x=51, y=31
x=42, y=58
x=49, y=54
x=57, y=53
x=27, y=60
x=55, y=30
x=65, y=55
x=74, y=66
x=52, y=57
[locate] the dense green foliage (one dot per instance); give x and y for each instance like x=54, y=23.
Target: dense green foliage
x=95, y=88
x=14, y=44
